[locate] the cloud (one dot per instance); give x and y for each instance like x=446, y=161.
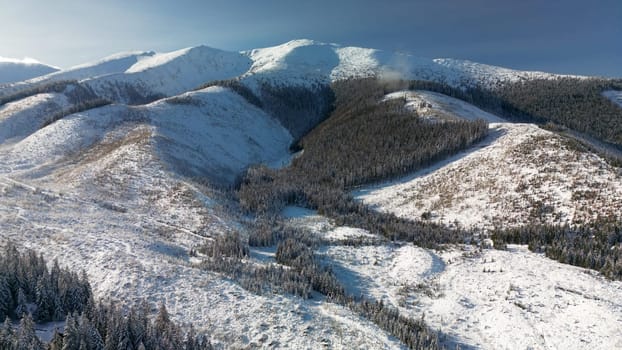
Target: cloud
x=25, y=60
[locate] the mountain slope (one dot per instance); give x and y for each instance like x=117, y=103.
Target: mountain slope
x=212, y=133
x=519, y=175
x=169, y=74
x=12, y=70
x=22, y=118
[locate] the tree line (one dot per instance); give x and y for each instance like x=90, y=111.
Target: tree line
x=596, y=245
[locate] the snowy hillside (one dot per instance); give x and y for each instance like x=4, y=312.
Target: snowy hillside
x=170, y=74
x=484, y=299
x=135, y=255
x=12, y=70
x=22, y=118
x=133, y=172
x=212, y=133
x=519, y=174
x=145, y=76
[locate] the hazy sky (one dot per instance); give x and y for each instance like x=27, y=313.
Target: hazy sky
x=572, y=36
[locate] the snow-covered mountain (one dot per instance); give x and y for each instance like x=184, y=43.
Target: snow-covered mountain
x=300, y=62
x=123, y=166
x=304, y=61
x=117, y=63
x=14, y=70
x=499, y=182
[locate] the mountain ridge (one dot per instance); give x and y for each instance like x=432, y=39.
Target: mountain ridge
x=332, y=62
x=15, y=70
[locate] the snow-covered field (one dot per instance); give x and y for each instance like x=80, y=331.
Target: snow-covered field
x=517, y=175
x=212, y=132
x=24, y=117
x=173, y=73
x=106, y=190
x=511, y=299
x=113, y=64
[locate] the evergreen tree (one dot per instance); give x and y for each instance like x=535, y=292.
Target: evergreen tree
x=6, y=297
x=71, y=339
x=26, y=336
x=57, y=341
x=7, y=335
x=22, y=303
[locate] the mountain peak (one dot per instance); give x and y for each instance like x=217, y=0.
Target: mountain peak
x=14, y=70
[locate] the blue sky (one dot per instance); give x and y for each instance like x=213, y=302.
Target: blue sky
x=580, y=37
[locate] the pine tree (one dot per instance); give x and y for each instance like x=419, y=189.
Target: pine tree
x=57, y=341
x=88, y=333
x=26, y=337
x=71, y=339
x=22, y=303
x=6, y=297
x=162, y=321
x=125, y=342
x=138, y=323
x=7, y=335
x=191, y=342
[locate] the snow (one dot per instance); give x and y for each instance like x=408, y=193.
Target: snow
x=294, y=212
x=491, y=299
x=488, y=75
x=64, y=137
x=302, y=62
x=15, y=70
x=218, y=131
x=25, y=60
x=502, y=180
x=22, y=118
x=176, y=72
x=430, y=104
x=212, y=133
x=486, y=299
x=142, y=253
